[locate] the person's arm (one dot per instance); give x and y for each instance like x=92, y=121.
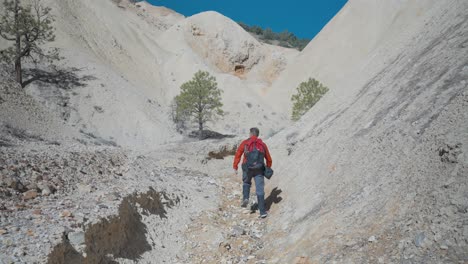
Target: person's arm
x=238, y=156
x=269, y=161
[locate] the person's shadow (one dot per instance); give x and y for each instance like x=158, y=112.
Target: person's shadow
x=273, y=198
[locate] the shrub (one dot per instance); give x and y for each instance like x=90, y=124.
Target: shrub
x=284, y=39
x=308, y=94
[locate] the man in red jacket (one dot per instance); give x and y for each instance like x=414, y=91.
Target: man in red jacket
x=253, y=166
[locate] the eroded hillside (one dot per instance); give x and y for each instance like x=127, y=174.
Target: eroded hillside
x=124, y=63
x=376, y=171
x=92, y=170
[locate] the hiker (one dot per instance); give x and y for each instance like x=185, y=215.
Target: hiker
x=253, y=166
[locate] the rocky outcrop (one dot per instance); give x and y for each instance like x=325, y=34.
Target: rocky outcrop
x=222, y=42
x=120, y=236
x=88, y=205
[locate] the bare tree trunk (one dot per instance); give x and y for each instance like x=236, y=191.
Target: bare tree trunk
x=200, y=127
x=19, y=73
x=18, y=70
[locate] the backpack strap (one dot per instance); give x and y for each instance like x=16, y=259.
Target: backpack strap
x=246, y=146
x=257, y=144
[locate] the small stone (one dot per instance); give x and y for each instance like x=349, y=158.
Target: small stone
x=350, y=243
x=76, y=238
x=444, y=245
x=32, y=186
x=14, y=184
x=102, y=206
x=419, y=239
x=30, y=232
x=372, y=239
x=250, y=257
x=3, y=231
x=8, y=243
x=46, y=191
x=83, y=188
x=237, y=231
x=66, y=213
x=19, y=252
x=29, y=195
x=212, y=182
x=227, y=246
x=37, y=212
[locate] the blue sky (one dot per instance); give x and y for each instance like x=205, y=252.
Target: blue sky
x=305, y=18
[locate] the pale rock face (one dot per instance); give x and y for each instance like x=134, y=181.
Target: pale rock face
x=222, y=42
x=162, y=17
x=362, y=171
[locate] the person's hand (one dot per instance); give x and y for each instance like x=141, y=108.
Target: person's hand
x=235, y=172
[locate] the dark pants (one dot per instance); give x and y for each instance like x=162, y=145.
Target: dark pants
x=259, y=189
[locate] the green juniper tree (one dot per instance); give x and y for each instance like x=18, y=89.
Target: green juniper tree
x=269, y=34
x=199, y=100
x=28, y=26
x=308, y=94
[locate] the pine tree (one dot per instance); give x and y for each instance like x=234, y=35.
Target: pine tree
x=28, y=27
x=200, y=100
x=308, y=94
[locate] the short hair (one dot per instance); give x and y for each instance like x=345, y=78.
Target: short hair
x=255, y=131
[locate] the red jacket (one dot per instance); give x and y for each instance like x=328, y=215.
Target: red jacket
x=240, y=151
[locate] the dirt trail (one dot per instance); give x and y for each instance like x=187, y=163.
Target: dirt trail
x=230, y=234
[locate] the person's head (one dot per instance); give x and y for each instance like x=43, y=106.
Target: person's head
x=254, y=132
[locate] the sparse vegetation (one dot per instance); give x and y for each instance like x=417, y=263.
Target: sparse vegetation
x=284, y=39
x=28, y=26
x=199, y=100
x=308, y=94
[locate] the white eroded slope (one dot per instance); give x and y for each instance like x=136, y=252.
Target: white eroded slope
x=376, y=171
x=353, y=47
x=114, y=89
x=128, y=62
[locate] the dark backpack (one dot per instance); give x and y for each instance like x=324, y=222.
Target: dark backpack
x=254, y=153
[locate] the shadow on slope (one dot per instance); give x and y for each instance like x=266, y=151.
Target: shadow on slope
x=121, y=236
x=66, y=78
x=273, y=198
x=208, y=134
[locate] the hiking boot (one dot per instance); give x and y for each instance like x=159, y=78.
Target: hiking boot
x=244, y=203
x=261, y=205
x=263, y=215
